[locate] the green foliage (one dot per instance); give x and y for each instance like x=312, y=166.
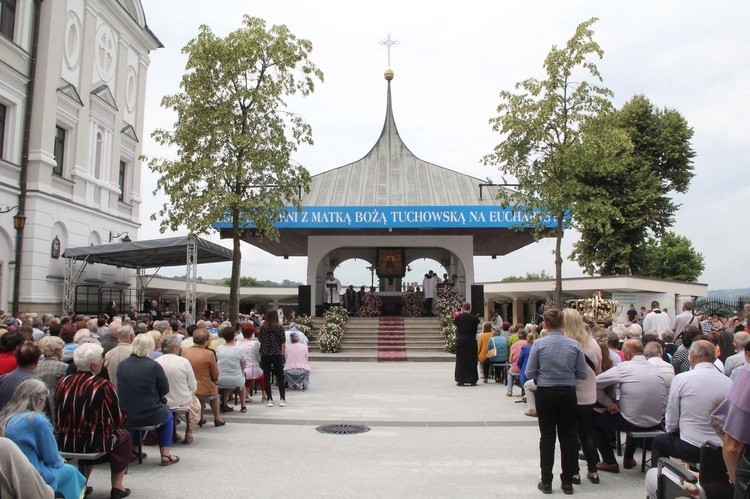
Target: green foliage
x=551, y=137
x=530, y=276
x=233, y=137
x=672, y=257
x=245, y=281
x=637, y=194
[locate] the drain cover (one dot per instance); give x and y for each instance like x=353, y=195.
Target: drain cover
x=342, y=429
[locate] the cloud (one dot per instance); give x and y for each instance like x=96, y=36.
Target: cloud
x=451, y=63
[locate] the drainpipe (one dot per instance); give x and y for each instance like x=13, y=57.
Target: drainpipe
x=25, y=159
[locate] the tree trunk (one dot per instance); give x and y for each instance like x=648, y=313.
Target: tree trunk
x=234, y=288
x=557, y=294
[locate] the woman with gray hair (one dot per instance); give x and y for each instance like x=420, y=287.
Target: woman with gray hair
x=52, y=369
x=89, y=417
x=141, y=386
x=23, y=421
x=297, y=363
x=182, y=382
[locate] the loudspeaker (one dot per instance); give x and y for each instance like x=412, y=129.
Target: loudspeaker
x=477, y=299
x=304, y=304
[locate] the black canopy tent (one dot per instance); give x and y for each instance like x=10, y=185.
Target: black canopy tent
x=139, y=255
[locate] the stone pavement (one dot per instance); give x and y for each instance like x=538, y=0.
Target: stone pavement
x=428, y=438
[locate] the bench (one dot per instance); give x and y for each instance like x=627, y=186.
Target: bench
x=140, y=430
x=81, y=456
x=499, y=371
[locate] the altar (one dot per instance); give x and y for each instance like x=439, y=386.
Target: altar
x=391, y=303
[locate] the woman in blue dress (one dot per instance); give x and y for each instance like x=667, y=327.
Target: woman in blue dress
x=23, y=421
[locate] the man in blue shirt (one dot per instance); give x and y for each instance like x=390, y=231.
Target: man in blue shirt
x=555, y=362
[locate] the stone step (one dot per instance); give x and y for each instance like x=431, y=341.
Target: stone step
x=419, y=337
x=372, y=356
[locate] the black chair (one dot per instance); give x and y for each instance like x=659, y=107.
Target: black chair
x=712, y=483
x=681, y=483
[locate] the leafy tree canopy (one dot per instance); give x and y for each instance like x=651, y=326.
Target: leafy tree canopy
x=530, y=276
x=233, y=136
x=638, y=193
x=551, y=138
x=245, y=281
x=672, y=257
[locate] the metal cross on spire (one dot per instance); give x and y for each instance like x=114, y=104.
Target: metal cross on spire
x=388, y=43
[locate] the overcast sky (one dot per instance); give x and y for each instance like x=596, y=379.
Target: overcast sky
x=450, y=65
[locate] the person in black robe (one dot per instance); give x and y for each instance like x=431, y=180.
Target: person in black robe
x=466, y=346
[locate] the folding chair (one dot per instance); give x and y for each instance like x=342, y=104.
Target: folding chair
x=295, y=381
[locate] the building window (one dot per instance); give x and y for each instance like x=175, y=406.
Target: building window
x=98, y=156
x=3, y=113
x=121, y=180
x=59, y=150
x=7, y=17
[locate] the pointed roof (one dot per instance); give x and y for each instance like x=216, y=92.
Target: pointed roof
x=391, y=175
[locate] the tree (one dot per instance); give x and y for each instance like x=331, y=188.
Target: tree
x=672, y=257
x=245, y=282
x=639, y=191
x=544, y=127
x=530, y=276
x=233, y=137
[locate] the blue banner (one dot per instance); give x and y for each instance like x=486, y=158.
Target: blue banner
x=405, y=217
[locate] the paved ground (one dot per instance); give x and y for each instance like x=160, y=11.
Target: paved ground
x=428, y=438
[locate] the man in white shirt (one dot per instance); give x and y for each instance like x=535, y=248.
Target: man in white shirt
x=653, y=352
x=683, y=320
x=656, y=320
x=331, y=291
x=429, y=284
x=693, y=394
x=642, y=390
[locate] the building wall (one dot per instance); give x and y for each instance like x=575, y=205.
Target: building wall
x=89, y=97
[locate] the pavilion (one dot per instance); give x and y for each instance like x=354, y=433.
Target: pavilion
x=389, y=209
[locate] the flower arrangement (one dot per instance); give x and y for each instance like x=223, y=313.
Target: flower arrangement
x=306, y=324
x=371, y=305
x=334, y=322
x=447, y=304
x=329, y=343
x=411, y=304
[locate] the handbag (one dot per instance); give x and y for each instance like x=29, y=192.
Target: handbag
x=492, y=352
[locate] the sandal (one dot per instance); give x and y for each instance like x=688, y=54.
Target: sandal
x=228, y=408
x=508, y=394
x=170, y=459
x=243, y=410
x=134, y=456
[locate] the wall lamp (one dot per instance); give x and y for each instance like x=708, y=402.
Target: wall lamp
x=19, y=219
x=125, y=239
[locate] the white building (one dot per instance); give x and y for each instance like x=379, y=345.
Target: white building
x=83, y=173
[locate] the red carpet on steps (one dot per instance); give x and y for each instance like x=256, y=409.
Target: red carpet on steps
x=391, y=339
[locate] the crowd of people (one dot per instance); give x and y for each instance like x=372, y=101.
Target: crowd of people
x=687, y=378
x=90, y=385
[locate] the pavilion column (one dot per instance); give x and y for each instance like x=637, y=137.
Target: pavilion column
x=518, y=312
